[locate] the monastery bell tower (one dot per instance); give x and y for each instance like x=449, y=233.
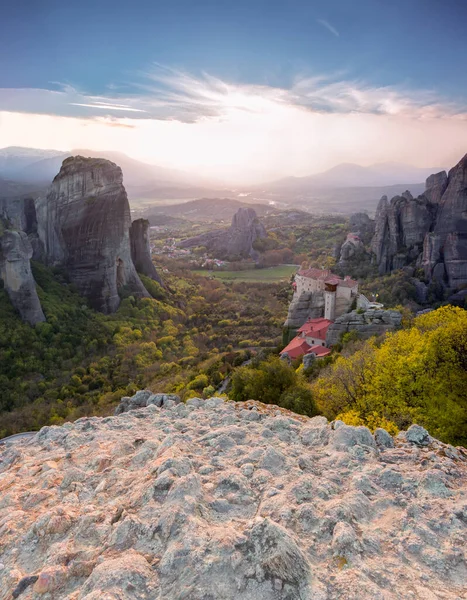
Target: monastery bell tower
x=330, y=300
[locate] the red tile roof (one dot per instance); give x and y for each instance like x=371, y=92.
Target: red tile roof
x=315, y=273
x=319, y=351
x=316, y=328
x=297, y=347
x=328, y=277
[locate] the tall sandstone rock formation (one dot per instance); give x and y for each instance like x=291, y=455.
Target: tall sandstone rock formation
x=84, y=225
x=235, y=242
x=445, y=249
x=141, y=251
x=430, y=229
x=15, y=271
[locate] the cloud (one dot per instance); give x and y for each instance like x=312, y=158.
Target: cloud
x=212, y=127
x=328, y=26
x=106, y=106
x=169, y=94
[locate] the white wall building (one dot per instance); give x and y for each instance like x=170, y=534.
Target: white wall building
x=338, y=293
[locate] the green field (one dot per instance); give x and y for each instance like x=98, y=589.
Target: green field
x=269, y=275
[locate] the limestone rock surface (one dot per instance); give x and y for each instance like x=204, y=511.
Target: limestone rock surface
x=141, y=251
x=15, y=271
x=304, y=306
x=367, y=324
x=235, y=242
x=84, y=225
x=221, y=500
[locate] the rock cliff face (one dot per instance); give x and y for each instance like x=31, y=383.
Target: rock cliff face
x=400, y=229
x=141, y=251
x=19, y=213
x=350, y=249
x=366, y=324
x=15, y=271
x=84, y=225
x=431, y=229
x=445, y=250
x=215, y=500
x=235, y=242
x=306, y=306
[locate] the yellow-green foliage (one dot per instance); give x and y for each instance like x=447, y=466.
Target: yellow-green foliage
x=81, y=362
x=273, y=381
x=418, y=374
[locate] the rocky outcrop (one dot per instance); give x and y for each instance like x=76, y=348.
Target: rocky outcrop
x=400, y=229
x=222, y=500
x=445, y=249
x=244, y=231
x=435, y=187
x=15, y=271
x=236, y=242
x=350, y=249
x=308, y=305
x=141, y=251
x=361, y=224
x=19, y=213
x=367, y=324
x=430, y=230
x=84, y=225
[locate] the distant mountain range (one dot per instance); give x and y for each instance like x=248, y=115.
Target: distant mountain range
x=344, y=188
x=351, y=175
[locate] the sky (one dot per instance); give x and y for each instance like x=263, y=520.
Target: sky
x=246, y=91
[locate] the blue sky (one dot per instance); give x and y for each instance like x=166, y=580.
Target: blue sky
x=95, y=43
x=118, y=62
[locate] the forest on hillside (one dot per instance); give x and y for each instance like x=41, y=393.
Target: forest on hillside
x=185, y=339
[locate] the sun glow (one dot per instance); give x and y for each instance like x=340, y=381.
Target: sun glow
x=247, y=134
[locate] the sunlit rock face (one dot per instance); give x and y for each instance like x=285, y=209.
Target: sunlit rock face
x=222, y=500
x=84, y=225
x=15, y=271
x=141, y=251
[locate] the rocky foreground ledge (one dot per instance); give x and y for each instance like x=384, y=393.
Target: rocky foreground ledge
x=215, y=500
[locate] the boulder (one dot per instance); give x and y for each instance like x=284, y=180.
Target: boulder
x=146, y=398
x=84, y=225
x=416, y=434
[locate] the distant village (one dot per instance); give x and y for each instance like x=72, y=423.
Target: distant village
x=171, y=250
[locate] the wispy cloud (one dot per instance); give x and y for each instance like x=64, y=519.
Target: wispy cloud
x=168, y=94
x=107, y=106
x=328, y=26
